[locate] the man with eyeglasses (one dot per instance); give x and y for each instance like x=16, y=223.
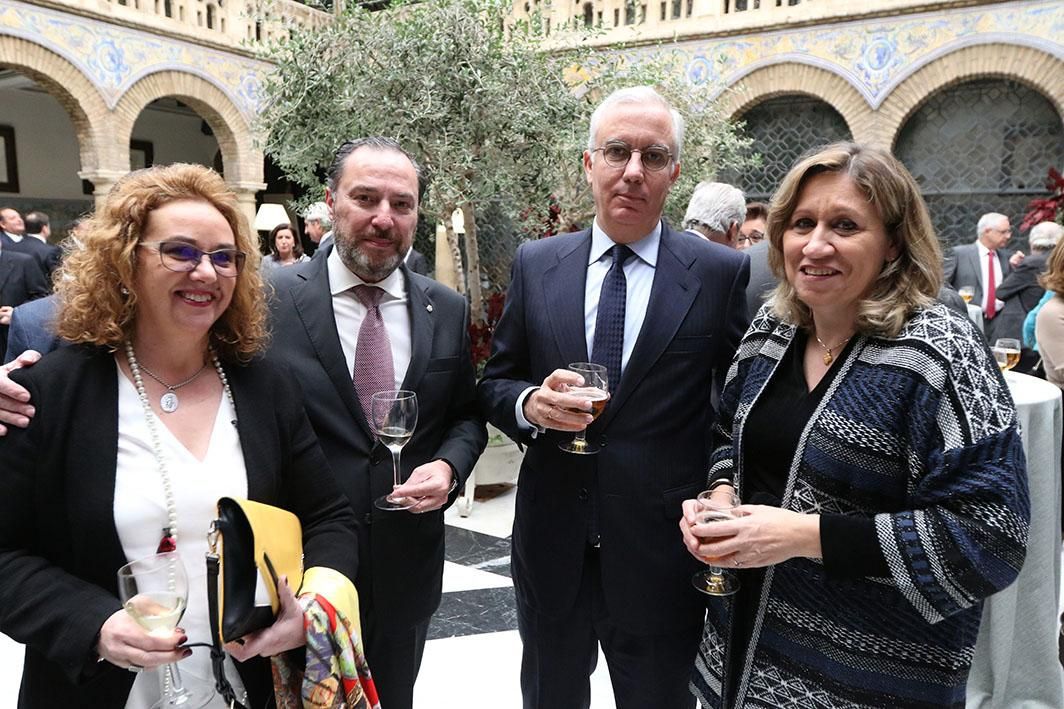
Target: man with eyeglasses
x=716, y=212
x=595, y=560
x=982, y=266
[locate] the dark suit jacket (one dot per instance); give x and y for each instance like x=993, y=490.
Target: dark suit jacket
x=46, y=255
x=31, y=328
x=20, y=280
x=401, y=570
x=417, y=262
x=655, y=430
x=963, y=268
x=1021, y=292
x=59, y=550
x=762, y=280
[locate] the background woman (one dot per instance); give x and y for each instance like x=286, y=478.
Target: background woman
x=285, y=249
x=879, y=438
x=156, y=411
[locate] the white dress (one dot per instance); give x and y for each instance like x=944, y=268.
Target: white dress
x=140, y=516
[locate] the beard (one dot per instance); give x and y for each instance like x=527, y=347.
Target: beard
x=359, y=262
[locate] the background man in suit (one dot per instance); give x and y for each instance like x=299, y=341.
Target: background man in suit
x=983, y=265
x=21, y=280
x=319, y=314
x=716, y=212
x=38, y=229
x=11, y=226
x=595, y=556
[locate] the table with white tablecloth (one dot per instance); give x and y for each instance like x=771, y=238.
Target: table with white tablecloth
x=1016, y=662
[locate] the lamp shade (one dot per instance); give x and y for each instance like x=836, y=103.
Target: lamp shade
x=269, y=216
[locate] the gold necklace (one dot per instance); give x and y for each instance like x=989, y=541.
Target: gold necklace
x=828, y=356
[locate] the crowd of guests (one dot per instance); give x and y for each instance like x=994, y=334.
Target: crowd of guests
x=864, y=426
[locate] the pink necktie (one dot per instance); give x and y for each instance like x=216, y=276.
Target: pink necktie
x=991, y=287
x=374, y=371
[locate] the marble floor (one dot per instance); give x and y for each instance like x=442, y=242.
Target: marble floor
x=473, y=656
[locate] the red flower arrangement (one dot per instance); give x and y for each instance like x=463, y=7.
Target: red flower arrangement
x=1050, y=209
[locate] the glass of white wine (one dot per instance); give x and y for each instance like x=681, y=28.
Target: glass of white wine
x=393, y=415
x=594, y=388
x=154, y=591
x=1011, y=348
x=716, y=506
x=966, y=293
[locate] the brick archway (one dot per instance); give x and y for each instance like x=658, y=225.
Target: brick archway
x=1035, y=69
x=794, y=78
x=72, y=89
x=242, y=161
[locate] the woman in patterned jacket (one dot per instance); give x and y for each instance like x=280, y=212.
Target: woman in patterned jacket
x=877, y=442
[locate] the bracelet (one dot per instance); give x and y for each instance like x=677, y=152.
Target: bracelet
x=720, y=481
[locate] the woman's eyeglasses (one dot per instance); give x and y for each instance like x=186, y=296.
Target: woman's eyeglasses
x=183, y=257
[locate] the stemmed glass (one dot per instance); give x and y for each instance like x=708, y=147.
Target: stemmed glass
x=595, y=388
x=393, y=416
x=716, y=506
x=1010, y=348
x=154, y=591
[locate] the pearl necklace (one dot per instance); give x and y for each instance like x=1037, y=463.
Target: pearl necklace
x=170, y=532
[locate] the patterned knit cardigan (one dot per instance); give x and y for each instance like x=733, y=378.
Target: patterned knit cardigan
x=919, y=432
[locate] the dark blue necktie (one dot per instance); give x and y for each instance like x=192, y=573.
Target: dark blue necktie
x=608, y=345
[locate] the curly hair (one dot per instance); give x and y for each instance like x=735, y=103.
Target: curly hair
x=94, y=285
x=910, y=281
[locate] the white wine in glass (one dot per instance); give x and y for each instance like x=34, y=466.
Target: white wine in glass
x=154, y=592
x=1011, y=347
x=716, y=506
x=595, y=388
x=966, y=293
x=393, y=415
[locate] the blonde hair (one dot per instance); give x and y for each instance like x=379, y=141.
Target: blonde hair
x=910, y=281
x=97, y=302
x=1053, y=278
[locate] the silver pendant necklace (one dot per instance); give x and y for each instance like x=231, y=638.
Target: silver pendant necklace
x=168, y=402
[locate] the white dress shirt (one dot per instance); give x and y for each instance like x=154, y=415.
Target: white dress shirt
x=349, y=313
x=639, y=277
x=984, y=275
x=14, y=237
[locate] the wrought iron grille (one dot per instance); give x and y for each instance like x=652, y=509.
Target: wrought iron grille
x=784, y=128
x=982, y=146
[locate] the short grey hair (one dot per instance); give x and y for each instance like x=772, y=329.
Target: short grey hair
x=1045, y=235
x=638, y=95
x=318, y=212
x=988, y=221
x=717, y=205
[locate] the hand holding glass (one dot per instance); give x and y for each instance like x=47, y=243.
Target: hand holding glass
x=596, y=389
x=154, y=592
x=716, y=506
x=393, y=415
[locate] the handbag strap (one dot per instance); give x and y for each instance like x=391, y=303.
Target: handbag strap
x=221, y=683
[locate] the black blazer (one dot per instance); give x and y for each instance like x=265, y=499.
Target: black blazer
x=655, y=430
x=401, y=555
x=59, y=550
x=20, y=280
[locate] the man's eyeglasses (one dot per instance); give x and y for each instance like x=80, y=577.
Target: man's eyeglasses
x=753, y=237
x=653, y=157
x=182, y=257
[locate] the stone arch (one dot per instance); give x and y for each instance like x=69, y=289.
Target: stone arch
x=243, y=162
x=1038, y=70
x=73, y=90
x=796, y=78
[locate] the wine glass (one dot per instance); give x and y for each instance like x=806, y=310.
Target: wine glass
x=966, y=293
x=716, y=506
x=1011, y=347
x=154, y=591
x=393, y=415
x=595, y=388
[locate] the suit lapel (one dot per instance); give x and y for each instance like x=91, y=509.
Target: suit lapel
x=313, y=303
x=563, y=285
x=422, y=326
x=253, y=433
x=671, y=297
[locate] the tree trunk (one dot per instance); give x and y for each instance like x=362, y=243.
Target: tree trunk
x=456, y=256
x=476, y=300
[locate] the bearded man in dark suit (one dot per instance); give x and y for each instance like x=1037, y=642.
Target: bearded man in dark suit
x=595, y=555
